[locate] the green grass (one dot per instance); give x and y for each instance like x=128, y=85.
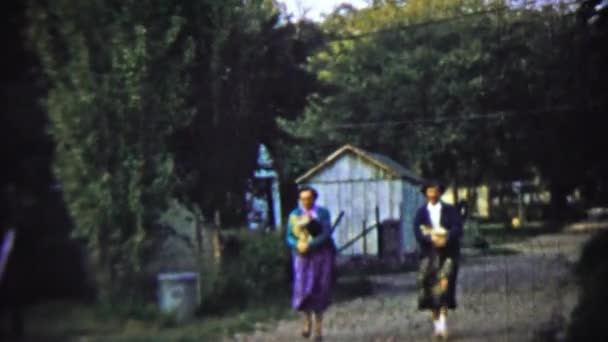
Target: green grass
x=66, y=321
x=500, y=234
x=497, y=235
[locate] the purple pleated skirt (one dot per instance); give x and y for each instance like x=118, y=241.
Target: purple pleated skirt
x=313, y=279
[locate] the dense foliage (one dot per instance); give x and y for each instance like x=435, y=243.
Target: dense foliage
x=153, y=100
x=469, y=91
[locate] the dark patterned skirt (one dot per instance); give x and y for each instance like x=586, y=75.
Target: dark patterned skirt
x=432, y=268
x=313, y=279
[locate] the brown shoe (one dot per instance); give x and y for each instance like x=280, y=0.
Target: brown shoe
x=307, y=325
x=318, y=322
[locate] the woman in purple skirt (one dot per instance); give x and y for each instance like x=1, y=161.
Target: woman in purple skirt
x=313, y=250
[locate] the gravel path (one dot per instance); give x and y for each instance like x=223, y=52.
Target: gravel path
x=501, y=298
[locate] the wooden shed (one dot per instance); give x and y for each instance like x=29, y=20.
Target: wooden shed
x=368, y=187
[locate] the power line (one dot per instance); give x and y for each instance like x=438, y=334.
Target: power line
x=495, y=116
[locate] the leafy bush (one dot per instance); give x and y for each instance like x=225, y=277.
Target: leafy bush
x=123, y=311
x=264, y=261
x=116, y=94
x=255, y=268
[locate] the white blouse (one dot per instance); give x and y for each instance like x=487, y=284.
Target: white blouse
x=435, y=213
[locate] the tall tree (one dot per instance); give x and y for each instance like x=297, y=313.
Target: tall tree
x=117, y=75
x=469, y=91
x=401, y=75
x=249, y=70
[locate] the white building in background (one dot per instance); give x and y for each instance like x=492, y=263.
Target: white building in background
x=357, y=182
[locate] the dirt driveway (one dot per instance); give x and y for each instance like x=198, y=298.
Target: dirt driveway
x=501, y=298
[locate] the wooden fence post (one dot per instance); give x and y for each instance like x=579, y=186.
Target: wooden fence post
x=378, y=224
x=364, y=237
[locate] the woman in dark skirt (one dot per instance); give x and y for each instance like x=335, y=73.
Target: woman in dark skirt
x=313, y=250
x=438, y=230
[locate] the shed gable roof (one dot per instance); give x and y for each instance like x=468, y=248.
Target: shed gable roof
x=388, y=165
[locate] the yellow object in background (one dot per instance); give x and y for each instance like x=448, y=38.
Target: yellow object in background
x=515, y=222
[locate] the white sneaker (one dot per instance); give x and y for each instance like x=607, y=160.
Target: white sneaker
x=442, y=327
x=437, y=329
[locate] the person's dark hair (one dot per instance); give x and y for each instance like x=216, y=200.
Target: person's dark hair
x=312, y=190
x=433, y=184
